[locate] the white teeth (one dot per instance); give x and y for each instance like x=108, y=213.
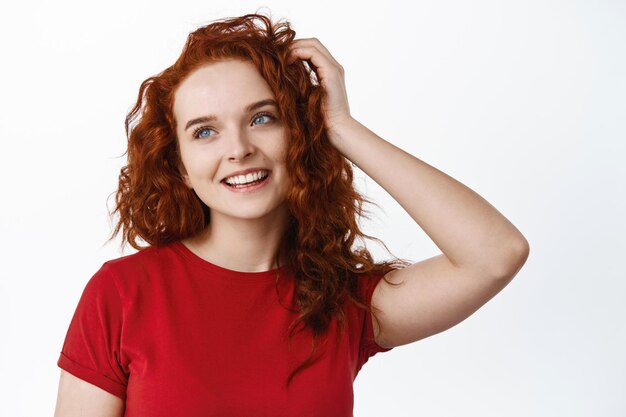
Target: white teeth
x=243, y=179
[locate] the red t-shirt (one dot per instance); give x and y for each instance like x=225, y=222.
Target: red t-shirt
x=175, y=335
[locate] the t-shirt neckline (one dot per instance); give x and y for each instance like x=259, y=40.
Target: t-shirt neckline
x=203, y=263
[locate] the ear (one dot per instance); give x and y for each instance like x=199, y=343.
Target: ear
x=187, y=182
x=181, y=168
x=184, y=175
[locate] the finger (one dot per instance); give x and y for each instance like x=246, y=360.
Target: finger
x=317, y=58
x=315, y=43
x=319, y=65
x=310, y=42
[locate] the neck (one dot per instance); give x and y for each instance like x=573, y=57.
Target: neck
x=245, y=245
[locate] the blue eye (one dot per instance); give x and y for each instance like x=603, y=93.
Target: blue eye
x=262, y=115
x=202, y=132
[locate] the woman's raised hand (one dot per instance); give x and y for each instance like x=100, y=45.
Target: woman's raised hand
x=330, y=75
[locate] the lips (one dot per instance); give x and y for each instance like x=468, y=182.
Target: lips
x=246, y=189
x=249, y=179
x=244, y=172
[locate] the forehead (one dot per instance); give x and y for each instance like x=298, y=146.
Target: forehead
x=220, y=87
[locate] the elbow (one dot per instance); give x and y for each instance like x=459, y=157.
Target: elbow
x=520, y=249
x=518, y=253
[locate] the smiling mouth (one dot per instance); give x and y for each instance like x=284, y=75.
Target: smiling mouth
x=233, y=183
x=248, y=184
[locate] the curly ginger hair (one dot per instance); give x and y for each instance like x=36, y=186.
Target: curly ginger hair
x=155, y=206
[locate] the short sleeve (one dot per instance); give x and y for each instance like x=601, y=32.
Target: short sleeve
x=92, y=346
x=368, y=346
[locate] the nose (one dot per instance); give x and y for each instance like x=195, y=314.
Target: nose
x=240, y=146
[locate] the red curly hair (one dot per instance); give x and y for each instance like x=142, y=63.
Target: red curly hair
x=154, y=204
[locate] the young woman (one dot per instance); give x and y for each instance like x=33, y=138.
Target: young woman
x=250, y=297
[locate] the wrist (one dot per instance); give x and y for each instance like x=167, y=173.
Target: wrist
x=339, y=129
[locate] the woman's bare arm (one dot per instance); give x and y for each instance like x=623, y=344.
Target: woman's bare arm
x=482, y=250
x=78, y=398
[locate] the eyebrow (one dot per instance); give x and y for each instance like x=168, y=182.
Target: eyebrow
x=251, y=107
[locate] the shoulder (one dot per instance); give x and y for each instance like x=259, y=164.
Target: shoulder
x=142, y=258
x=147, y=262
x=134, y=276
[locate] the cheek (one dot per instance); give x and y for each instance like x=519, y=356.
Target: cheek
x=279, y=154
x=280, y=150
x=198, y=166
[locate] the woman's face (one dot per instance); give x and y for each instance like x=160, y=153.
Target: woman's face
x=227, y=121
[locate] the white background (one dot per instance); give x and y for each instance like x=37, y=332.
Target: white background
x=524, y=102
